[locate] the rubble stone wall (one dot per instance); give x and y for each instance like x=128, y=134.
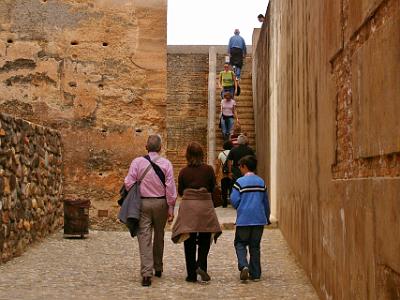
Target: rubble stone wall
x=30, y=184
x=94, y=70
x=333, y=74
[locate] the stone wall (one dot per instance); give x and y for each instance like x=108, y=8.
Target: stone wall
x=187, y=102
x=94, y=70
x=187, y=99
x=30, y=184
x=329, y=76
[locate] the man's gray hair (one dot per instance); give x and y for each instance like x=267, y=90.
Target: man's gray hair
x=242, y=139
x=154, y=143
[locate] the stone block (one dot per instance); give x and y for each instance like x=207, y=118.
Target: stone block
x=358, y=11
x=22, y=49
x=387, y=201
x=376, y=93
x=332, y=11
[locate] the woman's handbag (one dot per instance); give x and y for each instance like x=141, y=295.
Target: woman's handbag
x=216, y=196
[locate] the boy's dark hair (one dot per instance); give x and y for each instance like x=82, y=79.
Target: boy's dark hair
x=249, y=161
x=228, y=145
x=260, y=16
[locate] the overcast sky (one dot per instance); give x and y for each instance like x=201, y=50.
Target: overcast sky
x=212, y=22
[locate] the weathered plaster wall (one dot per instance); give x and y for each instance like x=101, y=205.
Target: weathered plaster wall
x=333, y=74
x=96, y=71
x=30, y=184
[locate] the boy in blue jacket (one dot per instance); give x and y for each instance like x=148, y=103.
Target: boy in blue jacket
x=250, y=198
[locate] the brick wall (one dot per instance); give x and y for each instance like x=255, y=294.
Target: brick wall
x=30, y=184
x=187, y=104
x=328, y=72
x=187, y=98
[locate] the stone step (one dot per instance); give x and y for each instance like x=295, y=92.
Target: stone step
x=250, y=136
x=244, y=104
x=245, y=85
x=244, y=108
x=219, y=139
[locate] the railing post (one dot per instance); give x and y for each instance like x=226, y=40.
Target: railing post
x=212, y=60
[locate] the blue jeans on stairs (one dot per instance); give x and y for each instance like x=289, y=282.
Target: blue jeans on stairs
x=227, y=127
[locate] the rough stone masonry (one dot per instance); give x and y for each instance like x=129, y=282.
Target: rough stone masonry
x=30, y=184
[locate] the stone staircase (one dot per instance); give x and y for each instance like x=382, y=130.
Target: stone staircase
x=244, y=104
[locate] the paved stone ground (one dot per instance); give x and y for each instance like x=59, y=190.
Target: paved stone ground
x=106, y=266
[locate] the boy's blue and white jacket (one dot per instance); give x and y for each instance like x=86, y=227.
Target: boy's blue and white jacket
x=250, y=198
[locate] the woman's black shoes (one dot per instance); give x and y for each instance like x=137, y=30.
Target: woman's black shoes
x=191, y=279
x=203, y=274
x=158, y=273
x=146, y=281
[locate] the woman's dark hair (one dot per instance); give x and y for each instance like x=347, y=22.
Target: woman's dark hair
x=228, y=145
x=194, y=154
x=249, y=161
x=227, y=95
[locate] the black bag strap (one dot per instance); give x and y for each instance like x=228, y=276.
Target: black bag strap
x=157, y=169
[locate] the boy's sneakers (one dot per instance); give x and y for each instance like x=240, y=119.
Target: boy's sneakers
x=254, y=279
x=244, y=274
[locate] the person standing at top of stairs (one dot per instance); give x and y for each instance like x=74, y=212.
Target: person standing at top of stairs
x=237, y=51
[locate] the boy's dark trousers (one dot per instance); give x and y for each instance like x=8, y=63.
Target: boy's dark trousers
x=203, y=240
x=249, y=236
x=226, y=187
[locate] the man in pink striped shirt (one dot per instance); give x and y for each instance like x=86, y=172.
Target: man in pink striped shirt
x=158, y=202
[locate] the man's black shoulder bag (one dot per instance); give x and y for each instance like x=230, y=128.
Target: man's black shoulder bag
x=157, y=169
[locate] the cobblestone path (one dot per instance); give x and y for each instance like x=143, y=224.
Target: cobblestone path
x=106, y=266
